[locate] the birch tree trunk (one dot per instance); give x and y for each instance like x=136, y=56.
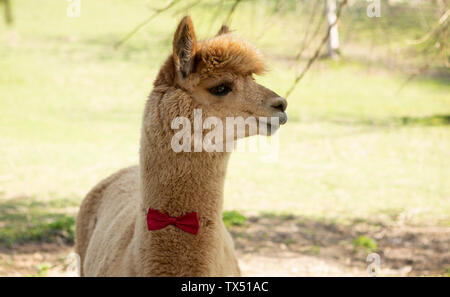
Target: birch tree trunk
x=333, y=41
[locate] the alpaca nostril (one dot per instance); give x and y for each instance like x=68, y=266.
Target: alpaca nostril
x=279, y=106
x=279, y=103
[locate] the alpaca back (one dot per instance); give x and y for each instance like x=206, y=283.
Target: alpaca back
x=105, y=224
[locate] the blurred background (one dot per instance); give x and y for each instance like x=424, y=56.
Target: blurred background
x=363, y=162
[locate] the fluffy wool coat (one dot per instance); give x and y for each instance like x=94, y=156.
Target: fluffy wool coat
x=112, y=238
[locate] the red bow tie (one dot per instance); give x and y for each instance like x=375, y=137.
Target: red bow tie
x=188, y=222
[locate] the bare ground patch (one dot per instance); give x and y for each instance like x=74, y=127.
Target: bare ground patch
x=270, y=245
x=295, y=246
x=34, y=259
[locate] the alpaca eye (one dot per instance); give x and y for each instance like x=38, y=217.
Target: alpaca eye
x=220, y=90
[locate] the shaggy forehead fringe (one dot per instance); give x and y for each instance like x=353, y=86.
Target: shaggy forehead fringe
x=228, y=52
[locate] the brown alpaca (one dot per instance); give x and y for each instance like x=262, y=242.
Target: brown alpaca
x=112, y=238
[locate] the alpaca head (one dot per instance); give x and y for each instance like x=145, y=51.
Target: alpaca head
x=216, y=76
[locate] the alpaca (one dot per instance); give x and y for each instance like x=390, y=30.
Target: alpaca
x=112, y=232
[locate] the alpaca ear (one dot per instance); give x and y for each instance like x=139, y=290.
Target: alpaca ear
x=223, y=30
x=184, y=47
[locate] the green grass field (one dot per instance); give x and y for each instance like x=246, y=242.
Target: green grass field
x=71, y=105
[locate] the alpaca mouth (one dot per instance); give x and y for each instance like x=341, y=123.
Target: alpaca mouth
x=283, y=118
x=279, y=118
x=271, y=125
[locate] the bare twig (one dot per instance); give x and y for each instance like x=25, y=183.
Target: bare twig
x=215, y=15
x=269, y=23
x=435, y=41
x=441, y=24
x=315, y=32
x=414, y=75
x=313, y=36
x=187, y=7
x=231, y=12
x=318, y=50
x=145, y=22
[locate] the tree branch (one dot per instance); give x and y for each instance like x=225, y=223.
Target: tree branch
x=317, y=52
x=231, y=12
x=145, y=22
x=314, y=34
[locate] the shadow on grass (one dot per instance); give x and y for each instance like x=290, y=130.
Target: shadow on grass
x=404, y=250
x=25, y=219
x=398, y=122
x=434, y=120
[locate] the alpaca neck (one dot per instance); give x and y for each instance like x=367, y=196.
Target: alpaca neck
x=176, y=184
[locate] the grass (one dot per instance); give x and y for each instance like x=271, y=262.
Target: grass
x=365, y=243
x=42, y=270
x=315, y=250
x=233, y=218
x=70, y=112
x=25, y=219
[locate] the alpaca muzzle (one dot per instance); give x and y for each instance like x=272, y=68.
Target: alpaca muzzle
x=279, y=104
